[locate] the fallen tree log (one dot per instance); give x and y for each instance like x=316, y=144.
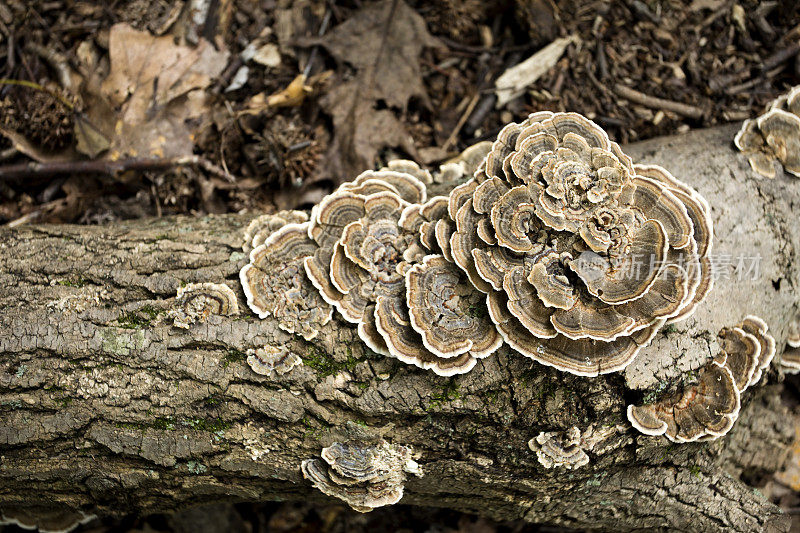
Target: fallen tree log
x=107, y=408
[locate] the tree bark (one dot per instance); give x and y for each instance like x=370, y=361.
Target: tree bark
x=105, y=407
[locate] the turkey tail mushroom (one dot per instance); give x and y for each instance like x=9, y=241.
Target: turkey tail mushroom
x=772, y=141
x=707, y=407
x=582, y=254
x=558, y=245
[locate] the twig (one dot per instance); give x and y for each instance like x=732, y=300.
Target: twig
x=37, y=87
x=460, y=124
x=107, y=167
x=314, y=51
x=485, y=106
x=652, y=102
x=780, y=56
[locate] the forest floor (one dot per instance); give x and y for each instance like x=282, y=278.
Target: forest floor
x=143, y=108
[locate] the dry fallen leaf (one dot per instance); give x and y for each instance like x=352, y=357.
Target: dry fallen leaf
x=383, y=42
x=360, y=131
x=157, y=89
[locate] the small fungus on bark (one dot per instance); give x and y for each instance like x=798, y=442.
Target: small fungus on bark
x=707, y=407
x=195, y=302
x=772, y=141
x=363, y=475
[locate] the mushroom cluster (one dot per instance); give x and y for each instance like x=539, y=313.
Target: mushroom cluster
x=772, y=141
x=372, y=265
x=568, y=449
x=364, y=475
x=559, y=449
x=558, y=245
x=708, y=408
x=274, y=279
x=583, y=255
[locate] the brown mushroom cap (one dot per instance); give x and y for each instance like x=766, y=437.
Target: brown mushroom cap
x=195, y=302
x=697, y=262
x=781, y=131
x=405, y=343
x=404, y=184
x=375, y=253
x=335, y=212
x=47, y=518
x=707, y=408
x=261, y=227
x=274, y=282
x=407, y=166
x=368, y=259
x=740, y=353
x=759, y=329
x=584, y=357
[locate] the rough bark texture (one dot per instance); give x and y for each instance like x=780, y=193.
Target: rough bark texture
x=106, y=407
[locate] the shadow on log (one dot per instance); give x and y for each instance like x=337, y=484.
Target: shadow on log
x=107, y=408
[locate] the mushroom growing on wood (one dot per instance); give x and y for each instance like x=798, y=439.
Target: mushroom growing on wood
x=756, y=327
x=195, y=302
x=261, y=227
x=559, y=449
x=583, y=255
x=790, y=358
x=274, y=282
x=53, y=518
x=772, y=141
x=363, y=475
x=371, y=265
x=707, y=408
x=268, y=359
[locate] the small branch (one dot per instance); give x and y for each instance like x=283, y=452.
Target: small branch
x=652, y=102
x=464, y=116
x=107, y=167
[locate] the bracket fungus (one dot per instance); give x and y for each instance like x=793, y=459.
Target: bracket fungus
x=567, y=449
x=261, y=227
x=52, y=518
x=268, y=359
x=559, y=449
x=195, y=302
x=772, y=141
x=363, y=475
x=790, y=358
x=759, y=329
x=558, y=245
x=582, y=254
x=371, y=265
x=274, y=282
x=708, y=408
